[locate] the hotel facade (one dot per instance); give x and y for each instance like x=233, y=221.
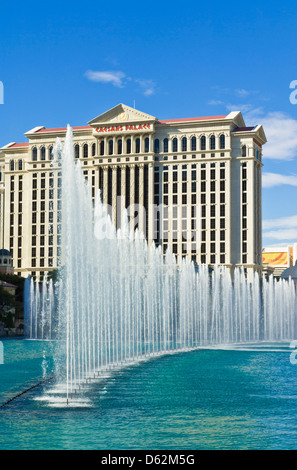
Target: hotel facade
x=191, y=184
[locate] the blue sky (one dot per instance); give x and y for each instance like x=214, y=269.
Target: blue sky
x=67, y=62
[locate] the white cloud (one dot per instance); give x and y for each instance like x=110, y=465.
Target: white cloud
x=288, y=234
x=216, y=103
x=243, y=92
x=147, y=86
x=115, y=78
x=282, y=222
x=269, y=180
x=119, y=80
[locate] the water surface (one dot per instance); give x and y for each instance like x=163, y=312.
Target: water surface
x=207, y=399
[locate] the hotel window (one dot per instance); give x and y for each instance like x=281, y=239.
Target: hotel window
x=156, y=146
x=110, y=147
x=20, y=165
x=86, y=151
x=243, y=151
x=165, y=145
x=174, y=145
x=137, y=145
x=203, y=143
x=193, y=144
x=11, y=165
x=120, y=146
x=146, y=145
x=34, y=154
x=42, y=153
x=51, y=155
x=212, y=142
x=222, y=141
x=102, y=147
x=128, y=146
x=184, y=144
x=93, y=150
x=76, y=151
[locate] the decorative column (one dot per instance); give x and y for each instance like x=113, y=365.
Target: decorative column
x=141, y=211
x=114, y=195
x=121, y=203
x=151, y=215
x=105, y=185
x=132, y=195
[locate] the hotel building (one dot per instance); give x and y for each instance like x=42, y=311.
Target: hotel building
x=193, y=184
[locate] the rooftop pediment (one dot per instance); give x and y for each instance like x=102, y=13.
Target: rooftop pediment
x=121, y=114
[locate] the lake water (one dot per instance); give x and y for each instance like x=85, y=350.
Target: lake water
x=245, y=398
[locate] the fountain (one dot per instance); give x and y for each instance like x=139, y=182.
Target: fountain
x=121, y=301
x=40, y=309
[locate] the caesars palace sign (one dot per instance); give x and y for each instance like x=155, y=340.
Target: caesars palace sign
x=124, y=128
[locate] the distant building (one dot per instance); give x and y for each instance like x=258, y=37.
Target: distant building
x=6, y=262
x=276, y=259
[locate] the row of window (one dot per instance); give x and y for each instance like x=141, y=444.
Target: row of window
x=159, y=146
x=120, y=147
x=16, y=165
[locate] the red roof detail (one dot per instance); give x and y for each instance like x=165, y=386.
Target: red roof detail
x=62, y=129
x=192, y=119
x=25, y=144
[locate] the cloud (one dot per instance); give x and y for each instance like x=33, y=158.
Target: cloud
x=269, y=180
x=288, y=234
x=281, y=222
x=282, y=228
x=216, y=102
x=119, y=80
x=114, y=77
x=243, y=92
x=147, y=86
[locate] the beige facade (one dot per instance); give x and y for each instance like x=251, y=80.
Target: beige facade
x=193, y=184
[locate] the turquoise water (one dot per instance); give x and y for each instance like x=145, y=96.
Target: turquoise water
x=206, y=399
